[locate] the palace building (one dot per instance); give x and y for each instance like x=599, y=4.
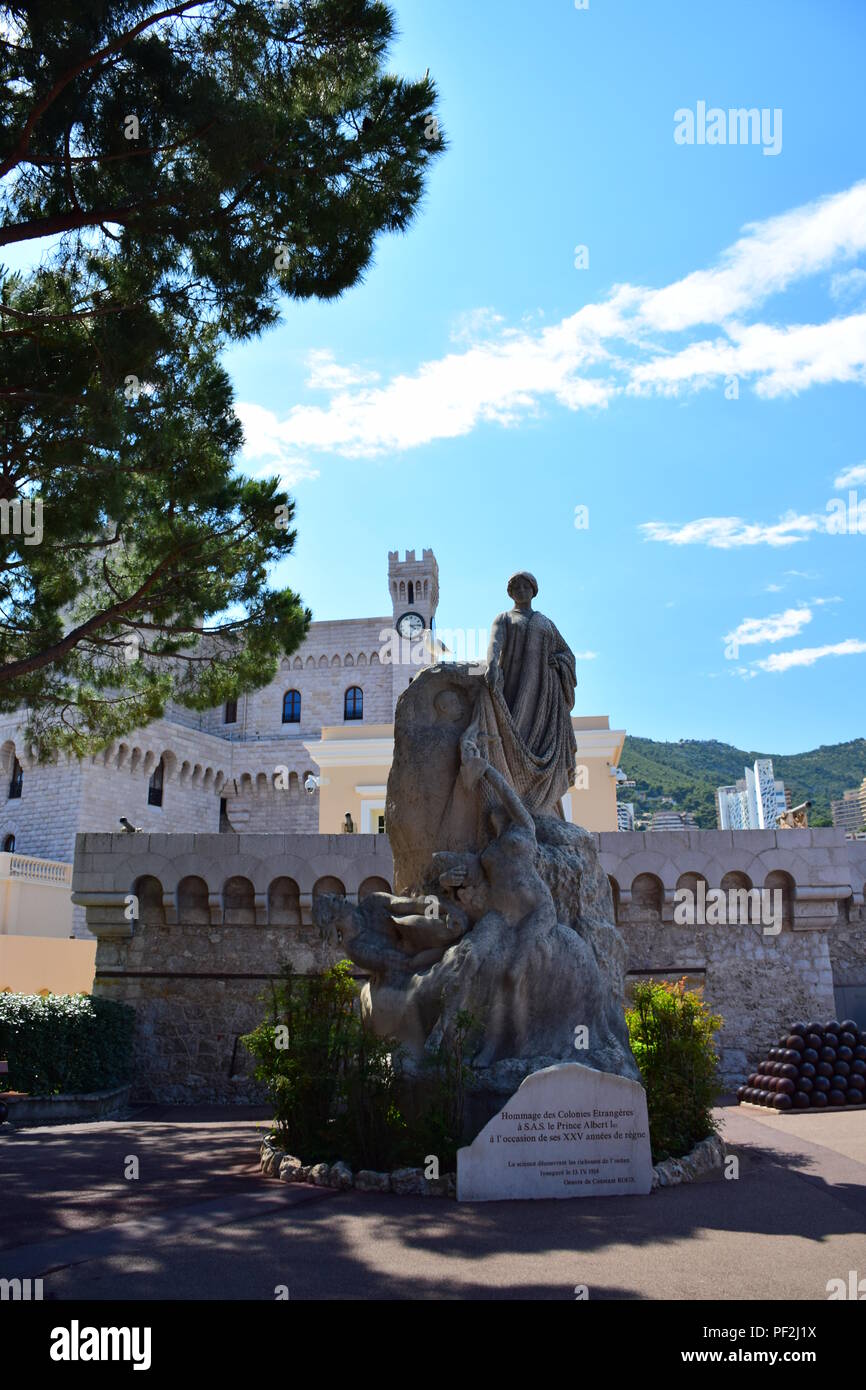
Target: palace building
x=308, y=753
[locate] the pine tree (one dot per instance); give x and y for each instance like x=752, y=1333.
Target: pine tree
x=169, y=174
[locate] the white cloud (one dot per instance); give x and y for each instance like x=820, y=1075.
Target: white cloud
x=501, y=374
x=732, y=532
x=775, y=628
x=768, y=258
x=774, y=588
x=851, y=476
x=325, y=373
x=849, y=287
x=585, y=656
x=807, y=656
x=264, y=455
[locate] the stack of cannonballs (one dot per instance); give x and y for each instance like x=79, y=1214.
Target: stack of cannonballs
x=815, y=1065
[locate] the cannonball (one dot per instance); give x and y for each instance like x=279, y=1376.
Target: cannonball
x=821, y=1083
x=842, y=1067
x=790, y=1071
x=741, y=1093
x=835, y=1097
x=794, y=1043
x=798, y=1028
x=860, y=1052
x=784, y=1086
x=790, y=1055
x=818, y=1099
x=801, y=1100
x=833, y=1026
x=828, y=1054
x=805, y=1084
x=811, y=1054
x=782, y=1102
x=847, y=1039
x=856, y=1082
x=751, y=1078
x=783, y=1041
x=858, y=1067
x=815, y=1040
x=844, y=1054
x=838, y=1082
x=824, y=1069
x=807, y=1069
x=815, y=1028
x=855, y=1097
x=849, y=1026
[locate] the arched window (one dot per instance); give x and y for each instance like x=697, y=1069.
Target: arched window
x=17, y=780
x=154, y=786
x=411, y=592
x=353, y=703
x=231, y=712
x=9, y=844
x=292, y=707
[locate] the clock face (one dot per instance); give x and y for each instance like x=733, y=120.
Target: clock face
x=410, y=625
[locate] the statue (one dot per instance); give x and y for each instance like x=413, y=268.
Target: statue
x=531, y=672
x=501, y=907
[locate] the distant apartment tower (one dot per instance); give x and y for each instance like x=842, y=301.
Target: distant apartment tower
x=625, y=815
x=850, y=813
x=673, y=820
x=756, y=800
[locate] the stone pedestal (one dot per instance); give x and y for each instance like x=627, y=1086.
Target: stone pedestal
x=569, y=1131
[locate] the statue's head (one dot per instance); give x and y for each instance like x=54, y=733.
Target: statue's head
x=522, y=587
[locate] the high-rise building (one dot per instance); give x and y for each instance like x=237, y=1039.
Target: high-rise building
x=673, y=820
x=625, y=815
x=755, y=802
x=850, y=813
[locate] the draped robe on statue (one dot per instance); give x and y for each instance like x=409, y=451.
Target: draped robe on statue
x=523, y=726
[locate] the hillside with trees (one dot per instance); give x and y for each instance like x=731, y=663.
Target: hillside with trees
x=685, y=775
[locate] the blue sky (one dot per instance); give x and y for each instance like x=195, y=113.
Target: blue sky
x=478, y=387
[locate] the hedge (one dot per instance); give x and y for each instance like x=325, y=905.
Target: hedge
x=64, y=1043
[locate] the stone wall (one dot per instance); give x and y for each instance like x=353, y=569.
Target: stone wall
x=201, y=954
x=216, y=916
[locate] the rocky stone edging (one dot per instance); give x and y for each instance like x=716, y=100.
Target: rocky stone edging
x=708, y=1154
x=405, y=1182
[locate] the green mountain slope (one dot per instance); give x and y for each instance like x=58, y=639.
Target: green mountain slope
x=688, y=773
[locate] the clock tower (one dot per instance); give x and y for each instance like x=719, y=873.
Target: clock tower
x=414, y=589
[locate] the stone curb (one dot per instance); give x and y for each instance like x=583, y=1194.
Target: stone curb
x=276, y=1163
x=708, y=1154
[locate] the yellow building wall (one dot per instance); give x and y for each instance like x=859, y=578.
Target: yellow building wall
x=354, y=766
x=353, y=770
x=33, y=964
x=591, y=802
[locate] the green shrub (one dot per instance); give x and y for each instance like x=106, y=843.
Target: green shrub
x=671, y=1031
x=440, y=1131
x=335, y=1085
x=65, y=1043
x=331, y=1080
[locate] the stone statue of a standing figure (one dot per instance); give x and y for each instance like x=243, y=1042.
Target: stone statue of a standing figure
x=531, y=678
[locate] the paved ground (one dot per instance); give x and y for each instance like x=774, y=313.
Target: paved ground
x=201, y=1223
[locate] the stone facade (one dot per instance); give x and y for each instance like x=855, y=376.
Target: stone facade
x=217, y=913
x=207, y=761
